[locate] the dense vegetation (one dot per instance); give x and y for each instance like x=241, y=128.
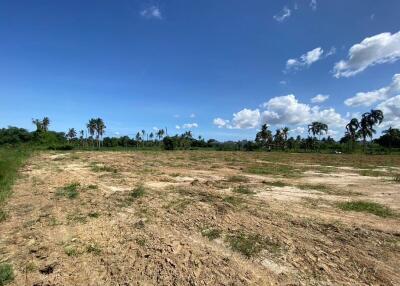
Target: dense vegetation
x=355, y=138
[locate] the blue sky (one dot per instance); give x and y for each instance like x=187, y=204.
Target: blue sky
x=218, y=68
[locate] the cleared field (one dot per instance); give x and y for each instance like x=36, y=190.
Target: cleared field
x=204, y=218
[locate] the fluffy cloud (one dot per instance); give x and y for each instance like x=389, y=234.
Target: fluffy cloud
x=177, y=127
x=281, y=110
x=152, y=12
x=192, y=115
x=378, y=49
x=391, y=111
x=283, y=15
x=308, y=58
x=319, y=98
x=370, y=97
x=313, y=4
x=190, y=125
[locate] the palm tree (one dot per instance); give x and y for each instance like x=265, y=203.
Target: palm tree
x=45, y=124
x=264, y=136
x=38, y=124
x=352, y=128
x=91, y=126
x=160, y=134
x=285, y=133
x=100, y=128
x=82, y=133
x=317, y=128
x=138, y=139
x=151, y=135
x=71, y=134
x=367, y=123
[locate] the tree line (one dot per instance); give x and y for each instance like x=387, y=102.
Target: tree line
x=358, y=131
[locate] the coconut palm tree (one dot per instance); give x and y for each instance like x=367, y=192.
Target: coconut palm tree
x=285, y=134
x=91, y=127
x=317, y=128
x=100, y=128
x=71, y=134
x=264, y=136
x=151, y=136
x=352, y=128
x=38, y=123
x=45, y=124
x=367, y=123
x=82, y=133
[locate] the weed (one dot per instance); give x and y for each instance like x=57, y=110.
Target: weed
x=77, y=217
x=368, y=207
x=93, y=248
x=396, y=179
x=319, y=187
x=93, y=214
x=3, y=215
x=276, y=184
x=243, y=190
x=250, y=244
x=71, y=250
x=6, y=273
x=138, y=192
x=274, y=169
x=30, y=267
x=92, y=187
x=237, y=179
x=70, y=191
x=234, y=201
x=371, y=173
x=102, y=168
x=211, y=233
x=141, y=241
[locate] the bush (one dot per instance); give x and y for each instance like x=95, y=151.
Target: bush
x=6, y=273
x=168, y=143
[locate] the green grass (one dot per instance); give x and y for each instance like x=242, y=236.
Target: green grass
x=237, y=179
x=232, y=200
x=274, y=169
x=243, y=190
x=93, y=215
x=92, y=187
x=211, y=233
x=97, y=168
x=250, y=244
x=367, y=207
x=137, y=192
x=93, y=248
x=11, y=159
x=3, y=215
x=71, y=250
x=372, y=173
x=318, y=187
x=276, y=184
x=70, y=191
x=6, y=273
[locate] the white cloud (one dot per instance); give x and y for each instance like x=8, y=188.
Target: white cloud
x=391, y=111
x=313, y=4
x=219, y=122
x=281, y=110
x=192, y=115
x=190, y=125
x=370, y=97
x=319, y=98
x=155, y=128
x=283, y=82
x=283, y=15
x=176, y=116
x=307, y=59
x=246, y=118
x=177, y=127
x=152, y=12
x=378, y=49
x=298, y=130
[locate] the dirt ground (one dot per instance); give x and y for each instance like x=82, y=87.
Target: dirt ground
x=202, y=218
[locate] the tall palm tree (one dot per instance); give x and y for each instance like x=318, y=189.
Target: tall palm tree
x=151, y=135
x=264, y=136
x=352, y=128
x=285, y=134
x=82, y=133
x=100, y=128
x=45, y=124
x=38, y=123
x=91, y=127
x=367, y=123
x=71, y=134
x=317, y=128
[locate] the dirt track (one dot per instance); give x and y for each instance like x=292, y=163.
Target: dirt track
x=108, y=236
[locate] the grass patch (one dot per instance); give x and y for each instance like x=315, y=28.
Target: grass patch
x=3, y=215
x=93, y=215
x=232, y=200
x=372, y=173
x=11, y=159
x=367, y=207
x=70, y=191
x=71, y=250
x=318, y=187
x=6, y=273
x=250, y=244
x=77, y=217
x=396, y=179
x=93, y=248
x=137, y=192
x=276, y=184
x=243, y=190
x=211, y=233
x=274, y=169
x=103, y=168
x=92, y=187
x=237, y=179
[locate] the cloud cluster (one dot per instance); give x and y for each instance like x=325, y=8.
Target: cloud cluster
x=313, y=5
x=371, y=97
x=378, y=49
x=187, y=126
x=152, y=12
x=308, y=59
x=281, y=110
x=391, y=111
x=319, y=98
x=283, y=15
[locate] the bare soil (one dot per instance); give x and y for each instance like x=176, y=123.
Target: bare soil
x=110, y=234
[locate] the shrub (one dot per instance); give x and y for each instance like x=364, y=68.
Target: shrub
x=368, y=207
x=6, y=273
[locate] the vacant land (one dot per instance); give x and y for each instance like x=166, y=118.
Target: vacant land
x=202, y=218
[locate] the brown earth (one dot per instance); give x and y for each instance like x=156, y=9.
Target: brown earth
x=107, y=235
